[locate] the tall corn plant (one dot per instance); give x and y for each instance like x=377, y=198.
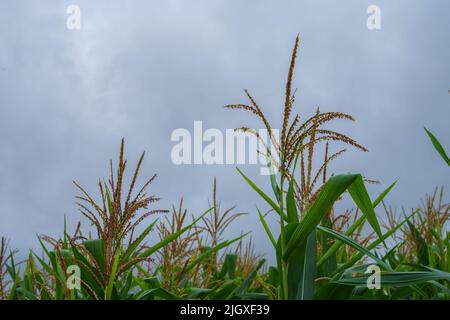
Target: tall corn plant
x=108, y=260
x=301, y=207
x=304, y=206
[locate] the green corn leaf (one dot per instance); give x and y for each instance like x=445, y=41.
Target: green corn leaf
x=330, y=263
x=261, y=193
x=226, y=290
x=96, y=249
x=249, y=279
x=124, y=291
x=153, y=282
x=132, y=247
x=267, y=229
x=352, y=243
x=273, y=182
x=254, y=296
x=437, y=145
x=373, y=245
x=89, y=274
x=396, y=279
x=198, y=293
x=57, y=269
x=333, y=291
x=12, y=266
x=331, y=191
x=13, y=292
x=112, y=277
x=44, y=265
x=273, y=276
x=361, y=197
x=228, y=267
x=108, y=200
x=291, y=207
x=157, y=293
x=420, y=244
x=208, y=252
x=354, y=226
x=301, y=270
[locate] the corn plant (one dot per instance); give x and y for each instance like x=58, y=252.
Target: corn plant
x=303, y=212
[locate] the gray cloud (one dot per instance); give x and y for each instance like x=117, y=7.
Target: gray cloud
x=140, y=70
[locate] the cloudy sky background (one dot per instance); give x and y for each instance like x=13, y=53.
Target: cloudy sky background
x=141, y=69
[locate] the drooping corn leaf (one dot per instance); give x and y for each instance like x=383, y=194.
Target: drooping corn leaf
x=347, y=240
x=357, y=256
x=361, y=197
x=354, y=226
x=331, y=191
x=396, y=279
x=261, y=193
x=437, y=145
x=267, y=229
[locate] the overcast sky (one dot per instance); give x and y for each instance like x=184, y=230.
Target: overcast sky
x=141, y=69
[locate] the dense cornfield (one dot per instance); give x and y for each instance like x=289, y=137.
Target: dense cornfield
x=320, y=253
